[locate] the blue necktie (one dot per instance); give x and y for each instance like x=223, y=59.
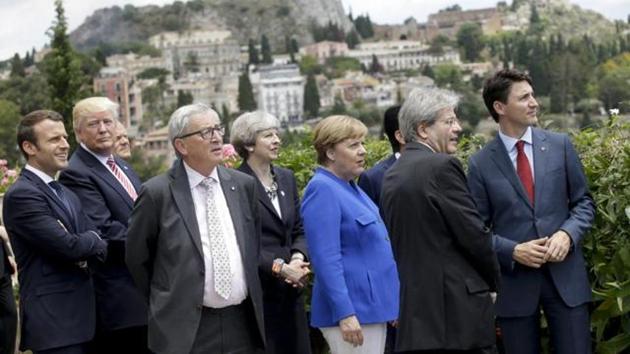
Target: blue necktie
x=56, y=186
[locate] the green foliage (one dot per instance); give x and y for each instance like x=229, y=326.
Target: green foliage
x=614, y=82
x=330, y=32
x=29, y=93
x=246, y=101
x=438, y=43
x=9, y=119
x=63, y=72
x=352, y=39
x=470, y=40
x=17, y=66
x=184, y=98
x=106, y=49
x=265, y=48
x=605, y=154
x=254, y=58
x=448, y=76
x=337, y=66
x=147, y=167
x=192, y=63
x=153, y=73
x=309, y=65
x=311, y=97
x=363, y=24
x=375, y=66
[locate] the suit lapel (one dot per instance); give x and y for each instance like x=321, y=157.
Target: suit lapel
x=231, y=192
x=540, y=150
x=65, y=216
x=182, y=195
x=501, y=158
x=105, y=174
x=262, y=194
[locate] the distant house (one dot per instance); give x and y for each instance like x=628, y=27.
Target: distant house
x=280, y=91
x=324, y=50
x=116, y=84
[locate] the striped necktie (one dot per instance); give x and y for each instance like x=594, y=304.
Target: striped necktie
x=122, y=178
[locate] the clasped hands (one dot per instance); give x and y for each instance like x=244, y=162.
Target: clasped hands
x=295, y=272
x=537, y=252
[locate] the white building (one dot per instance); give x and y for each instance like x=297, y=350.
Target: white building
x=400, y=55
x=134, y=63
x=281, y=92
x=211, y=53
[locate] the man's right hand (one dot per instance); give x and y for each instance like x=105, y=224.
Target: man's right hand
x=531, y=253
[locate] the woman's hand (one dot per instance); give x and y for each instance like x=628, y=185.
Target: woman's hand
x=351, y=330
x=295, y=272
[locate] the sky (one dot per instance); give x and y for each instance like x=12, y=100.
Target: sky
x=25, y=22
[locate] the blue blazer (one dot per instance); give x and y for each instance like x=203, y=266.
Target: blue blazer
x=57, y=306
x=562, y=201
x=120, y=304
x=355, y=272
x=371, y=181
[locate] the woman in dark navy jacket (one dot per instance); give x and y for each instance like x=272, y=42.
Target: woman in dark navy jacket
x=356, y=282
x=283, y=265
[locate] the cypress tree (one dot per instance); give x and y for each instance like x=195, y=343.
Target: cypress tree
x=253, y=53
x=265, y=48
x=63, y=72
x=17, y=66
x=311, y=97
x=245, y=99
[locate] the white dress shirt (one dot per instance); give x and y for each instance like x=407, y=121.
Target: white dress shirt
x=510, y=146
x=239, y=285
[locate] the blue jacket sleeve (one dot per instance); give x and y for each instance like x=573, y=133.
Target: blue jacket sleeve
x=321, y=212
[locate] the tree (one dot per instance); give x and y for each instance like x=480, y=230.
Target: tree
x=311, y=97
x=470, y=39
x=339, y=107
x=375, y=66
x=265, y=48
x=437, y=44
x=352, y=39
x=253, y=53
x=184, y=98
x=226, y=120
x=245, y=99
x=192, y=63
x=17, y=66
x=63, y=71
x=9, y=119
x=363, y=24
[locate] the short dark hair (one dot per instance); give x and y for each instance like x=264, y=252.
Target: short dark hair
x=25, y=130
x=390, y=125
x=497, y=88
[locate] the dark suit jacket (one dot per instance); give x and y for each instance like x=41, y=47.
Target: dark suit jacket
x=444, y=254
x=165, y=257
x=562, y=201
x=108, y=205
x=371, y=181
x=57, y=306
x=285, y=318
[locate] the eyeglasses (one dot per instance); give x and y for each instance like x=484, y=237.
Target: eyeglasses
x=451, y=121
x=206, y=133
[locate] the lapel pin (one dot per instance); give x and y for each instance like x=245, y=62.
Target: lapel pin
x=543, y=148
x=233, y=188
x=282, y=193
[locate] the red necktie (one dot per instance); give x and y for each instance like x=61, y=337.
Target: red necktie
x=524, y=171
x=124, y=181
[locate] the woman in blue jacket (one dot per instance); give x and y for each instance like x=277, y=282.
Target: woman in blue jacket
x=356, y=282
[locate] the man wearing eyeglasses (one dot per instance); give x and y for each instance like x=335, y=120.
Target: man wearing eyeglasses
x=193, y=246
x=107, y=187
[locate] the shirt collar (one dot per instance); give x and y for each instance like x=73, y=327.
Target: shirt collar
x=510, y=143
x=39, y=173
x=195, y=178
x=101, y=158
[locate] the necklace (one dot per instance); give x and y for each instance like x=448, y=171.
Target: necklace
x=272, y=191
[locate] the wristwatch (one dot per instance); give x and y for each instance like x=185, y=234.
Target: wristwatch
x=276, y=267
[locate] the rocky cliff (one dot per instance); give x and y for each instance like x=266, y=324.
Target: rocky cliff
x=245, y=18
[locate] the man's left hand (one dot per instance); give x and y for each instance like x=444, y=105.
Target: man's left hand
x=558, y=246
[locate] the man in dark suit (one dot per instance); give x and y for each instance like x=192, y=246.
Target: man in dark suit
x=194, y=243
x=371, y=180
x=52, y=239
x=530, y=188
x=8, y=312
x=107, y=187
x=443, y=250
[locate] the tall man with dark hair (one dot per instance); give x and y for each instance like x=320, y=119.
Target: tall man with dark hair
x=108, y=187
x=530, y=188
x=52, y=239
x=371, y=180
